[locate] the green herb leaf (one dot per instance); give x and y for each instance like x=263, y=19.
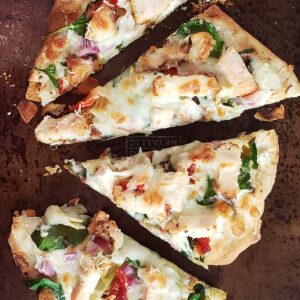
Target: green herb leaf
x=184, y=253
x=200, y=25
x=133, y=262
x=208, y=198
x=199, y=292
x=59, y=237
x=247, y=51
x=191, y=242
x=79, y=26
x=39, y=284
x=50, y=71
x=249, y=154
x=228, y=102
x=120, y=47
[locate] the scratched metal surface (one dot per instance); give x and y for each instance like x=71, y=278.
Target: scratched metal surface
x=267, y=270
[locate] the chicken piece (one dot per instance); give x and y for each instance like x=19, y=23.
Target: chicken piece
x=232, y=72
x=202, y=44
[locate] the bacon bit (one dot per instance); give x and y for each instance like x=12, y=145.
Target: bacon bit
x=85, y=103
x=171, y=72
x=54, y=109
x=118, y=286
x=61, y=87
x=27, y=110
x=191, y=169
x=123, y=183
x=113, y=2
x=192, y=181
x=202, y=245
x=139, y=189
x=86, y=86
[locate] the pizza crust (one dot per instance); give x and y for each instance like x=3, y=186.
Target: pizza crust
x=264, y=181
x=20, y=242
x=148, y=11
x=65, y=12
x=238, y=38
x=231, y=227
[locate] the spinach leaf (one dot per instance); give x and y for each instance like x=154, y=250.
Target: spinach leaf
x=59, y=237
x=79, y=26
x=133, y=262
x=249, y=154
x=200, y=25
x=199, y=292
x=228, y=102
x=120, y=47
x=50, y=71
x=39, y=284
x=209, y=194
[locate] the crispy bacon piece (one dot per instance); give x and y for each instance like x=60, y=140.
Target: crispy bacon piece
x=27, y=110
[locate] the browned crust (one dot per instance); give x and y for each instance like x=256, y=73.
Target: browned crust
x=264, y=181
x=270, y=114
x=65, y=12
x=241, y=40
x=158, y=6
x=20, y=257
x=33, y=90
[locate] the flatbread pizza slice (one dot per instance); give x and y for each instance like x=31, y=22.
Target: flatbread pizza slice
x=84, y=35
x=205, y=199
x=210, y=69
x=66, y=255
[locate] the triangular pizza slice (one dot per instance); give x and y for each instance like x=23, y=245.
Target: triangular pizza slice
x=205, y=199
x=84, y=35
x=67, y=255
x=210, y=69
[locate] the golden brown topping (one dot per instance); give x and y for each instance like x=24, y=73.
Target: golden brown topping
x=153, y=197
x=46, y=294
x=193, y=86
x=118, y=117
x=202, y=44
x=238, y=227
x=204, y=153
x=254, y=212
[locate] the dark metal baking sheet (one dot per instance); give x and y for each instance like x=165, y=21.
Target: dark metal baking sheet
x=267, y=270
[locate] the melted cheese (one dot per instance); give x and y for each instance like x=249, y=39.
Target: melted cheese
x=167, y=204
x=80, y=276
x=145, y=98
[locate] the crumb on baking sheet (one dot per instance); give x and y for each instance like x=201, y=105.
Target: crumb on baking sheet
x=52, y=170
x=270, y=114
x=27, y=110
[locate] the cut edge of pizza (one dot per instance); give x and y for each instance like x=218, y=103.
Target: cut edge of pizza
x=210, y=69
x=205, y=199
x=67, y=255
x=83, y=36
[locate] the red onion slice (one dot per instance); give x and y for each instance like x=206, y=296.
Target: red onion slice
x=46, y=269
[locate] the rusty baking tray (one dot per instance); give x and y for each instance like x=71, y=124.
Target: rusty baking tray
x=267, y=270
